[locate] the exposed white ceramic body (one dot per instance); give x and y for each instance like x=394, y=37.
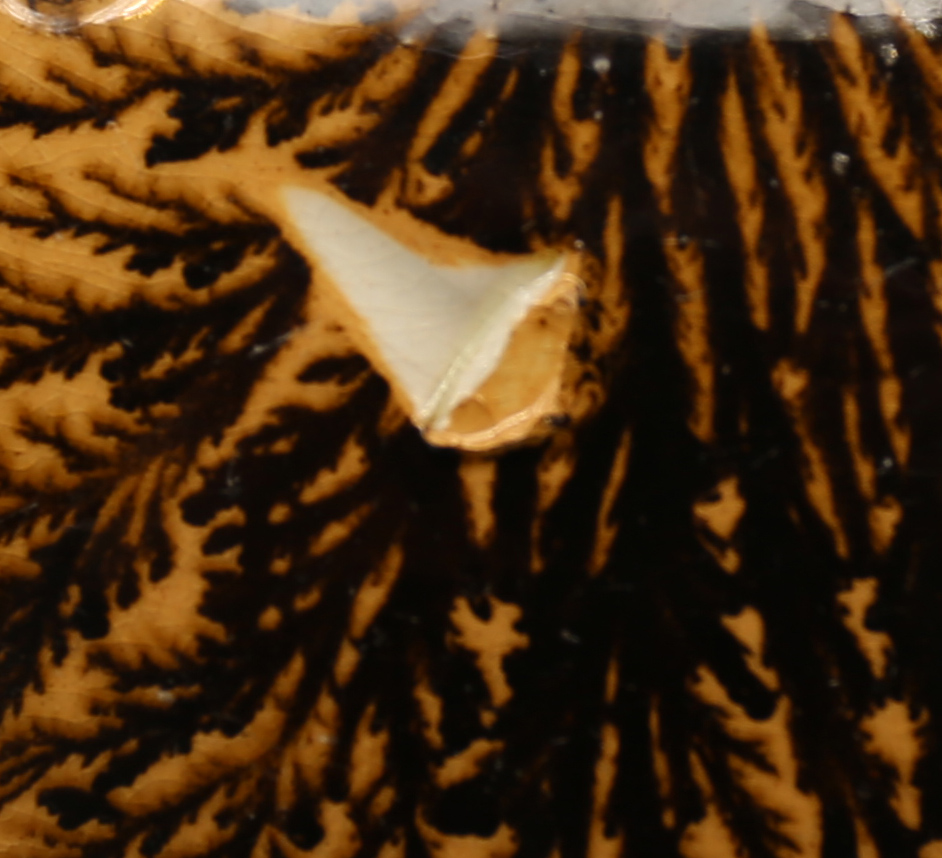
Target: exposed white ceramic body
x=440, y=330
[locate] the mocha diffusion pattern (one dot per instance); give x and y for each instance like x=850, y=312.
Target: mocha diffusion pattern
x=248, y=612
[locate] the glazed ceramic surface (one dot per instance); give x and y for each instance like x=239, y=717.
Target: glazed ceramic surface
x=470, y=431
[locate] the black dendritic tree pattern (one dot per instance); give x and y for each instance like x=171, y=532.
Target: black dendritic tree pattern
x=256, y=712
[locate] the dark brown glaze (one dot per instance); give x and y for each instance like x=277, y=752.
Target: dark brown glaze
x=248, y=611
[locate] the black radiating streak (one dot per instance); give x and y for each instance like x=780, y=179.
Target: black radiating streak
x=656, y=609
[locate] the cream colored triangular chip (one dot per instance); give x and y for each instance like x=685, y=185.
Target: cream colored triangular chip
x=439, y=331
